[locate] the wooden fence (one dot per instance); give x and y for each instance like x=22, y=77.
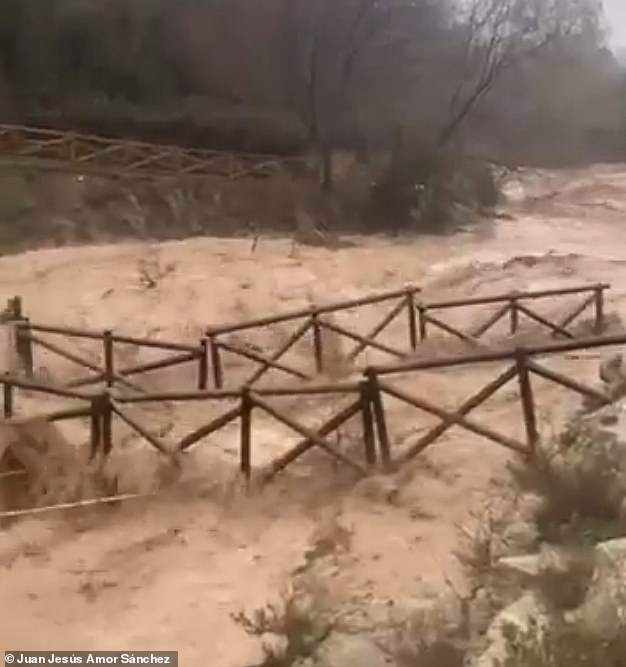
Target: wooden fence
x=515, y=306
x=362, y=398
x=523, y=366
x=421, y=320
x=82, y=153
x=207, y=354
x=365, y=398
x=312, y=320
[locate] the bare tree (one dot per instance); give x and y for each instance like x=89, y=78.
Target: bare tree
x=266, y=74
x=493, y=35
x=337, y=53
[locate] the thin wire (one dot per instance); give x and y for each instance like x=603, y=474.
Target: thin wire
x=80, y=503
x=12, y=473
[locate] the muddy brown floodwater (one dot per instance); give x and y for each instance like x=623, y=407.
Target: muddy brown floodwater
x=167, y=574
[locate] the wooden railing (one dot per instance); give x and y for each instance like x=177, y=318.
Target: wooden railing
x=207, y=354
x=40, y=148
x=363, y=397
x=365, y=400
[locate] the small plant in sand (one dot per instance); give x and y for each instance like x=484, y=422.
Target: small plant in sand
x=482, y=542
x=447, y=636
x=151, y=268
x=481, y=545
x=298, y=625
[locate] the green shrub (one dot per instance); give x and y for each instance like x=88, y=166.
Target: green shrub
x=423, y=186
x=580, y=477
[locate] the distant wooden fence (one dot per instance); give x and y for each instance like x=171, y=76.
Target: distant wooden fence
x=421, y=323
x=311, y=320
x=41, y=148
x=515, y=306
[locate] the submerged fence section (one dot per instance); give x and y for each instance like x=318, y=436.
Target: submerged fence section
x=362, y=399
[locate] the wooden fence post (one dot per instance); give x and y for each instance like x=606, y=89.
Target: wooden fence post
x=528, y=402
x=514, y=316
x=203, y=364
x=423, y=321
x=247, y=405
x=95, y=431
x=599, y=310
x=101, y=426
x=14, y=305
x=24, y=346
x=369, y=438
x=216, y=362
x=7, y=391
x=109, y=361
x=410, y=304
x=107, y=423
x=318, y=346
x=379, y=417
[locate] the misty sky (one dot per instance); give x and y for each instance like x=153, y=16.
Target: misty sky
x=616, y=14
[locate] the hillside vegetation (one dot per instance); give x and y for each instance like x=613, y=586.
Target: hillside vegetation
x=411, y=88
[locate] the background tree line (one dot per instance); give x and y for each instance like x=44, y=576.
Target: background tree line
x=527, y=78
x=428, y=84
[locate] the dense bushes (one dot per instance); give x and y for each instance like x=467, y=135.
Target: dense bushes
x=423, y=187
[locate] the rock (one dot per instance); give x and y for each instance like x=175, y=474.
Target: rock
x=603, y=612
x=549, y=559
x=343, y=650
x=521, y=614
x=560, y=576
x=520, y=536
x=529, y=505
x=524, y=565
x=590, y=584
x=565, y=576
x=554, y=560
x=273, y=644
